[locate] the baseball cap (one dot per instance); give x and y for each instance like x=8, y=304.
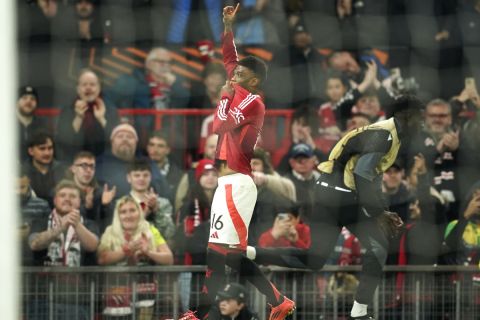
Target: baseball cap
x=203, y=166
x=301, y=149
x=233, y=291
x=27, y=90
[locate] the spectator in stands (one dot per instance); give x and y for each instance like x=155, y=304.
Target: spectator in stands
x=398, y=197
x=89, y=122
x=42, y=169
x=438, y=142
x=113, y=164
x=462, y=245
x=95, y=198
x=287, y=231
x=355, y=121
x=303, y=175
x=155, y=87
x=465, y=103
x=193, y=222
x=32, y=209
x=420, y=244
x=206, y=94
x=65, y=234
x=28, y=124
x=346, y=63
x=158, y=149
x=131, y=241
x=89, y=26
x=194, y=215
x=297, y=73
x=274, y=191
x=265, y=176
x=82, y=24
x=188, y=178
x=367, y=97
x=468, y=157
x=369, y=105
x=304, y=129
x=232, y=303
x=64, y=239
x=156, y=208
x=335, y=89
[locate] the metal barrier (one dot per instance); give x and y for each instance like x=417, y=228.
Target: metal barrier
x=420, y=292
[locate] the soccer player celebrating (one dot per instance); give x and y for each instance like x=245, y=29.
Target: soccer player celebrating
x=238, y=122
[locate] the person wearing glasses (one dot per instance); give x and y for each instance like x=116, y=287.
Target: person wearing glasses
x=438, y=143
x=95, y=197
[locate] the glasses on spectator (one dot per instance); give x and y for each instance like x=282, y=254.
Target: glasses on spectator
x=438, y=115
x=85, y=166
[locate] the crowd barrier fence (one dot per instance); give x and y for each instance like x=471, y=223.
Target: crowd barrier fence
x=159, y=292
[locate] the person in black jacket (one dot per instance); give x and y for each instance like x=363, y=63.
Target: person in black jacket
x=87, y=124
x=28, y=123
x=232, y=303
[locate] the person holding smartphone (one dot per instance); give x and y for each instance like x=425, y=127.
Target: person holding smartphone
x=287, y=231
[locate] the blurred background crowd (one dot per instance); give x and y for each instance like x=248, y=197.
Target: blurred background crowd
x=104, y=181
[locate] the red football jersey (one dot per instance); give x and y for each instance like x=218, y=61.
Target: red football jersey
x=238, y=119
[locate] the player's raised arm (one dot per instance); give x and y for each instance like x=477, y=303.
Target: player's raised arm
x=230, y=56
x=229, y=17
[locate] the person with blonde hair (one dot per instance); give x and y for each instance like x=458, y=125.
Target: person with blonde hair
x=131, y=240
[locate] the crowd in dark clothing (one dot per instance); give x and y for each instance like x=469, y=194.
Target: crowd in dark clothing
x=325, y=68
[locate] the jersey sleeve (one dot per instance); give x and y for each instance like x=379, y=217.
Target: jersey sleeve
x=228, y=117
x=230, y=56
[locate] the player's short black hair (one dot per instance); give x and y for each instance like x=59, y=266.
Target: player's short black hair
x=405, y=103
x=257, y=65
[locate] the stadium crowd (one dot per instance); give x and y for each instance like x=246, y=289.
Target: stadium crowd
x=100, y=188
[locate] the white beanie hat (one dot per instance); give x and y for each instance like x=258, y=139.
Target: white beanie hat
x=124, y=127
